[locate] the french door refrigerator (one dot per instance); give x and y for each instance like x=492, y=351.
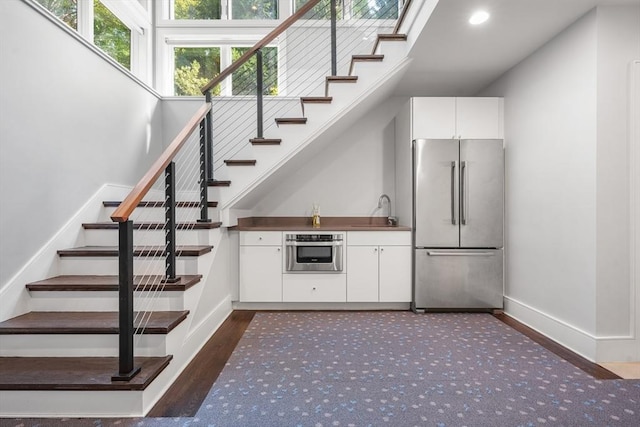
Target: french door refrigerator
x=458, y=203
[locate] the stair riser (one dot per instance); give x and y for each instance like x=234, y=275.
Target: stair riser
x=78, y=345
x=148, y=237
x=51, y=403
x=157, y=214
x=106, y=301
x=142, y=266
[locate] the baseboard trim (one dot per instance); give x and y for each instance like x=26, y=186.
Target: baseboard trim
x=571, y=337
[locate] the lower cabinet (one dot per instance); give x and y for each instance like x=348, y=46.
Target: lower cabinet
x=378, y=269
x=379, y=273
x=260, y=267
x=314, y=287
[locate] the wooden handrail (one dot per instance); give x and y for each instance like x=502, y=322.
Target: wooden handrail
x=402, y=16
x=123, y=212
x=262, y=43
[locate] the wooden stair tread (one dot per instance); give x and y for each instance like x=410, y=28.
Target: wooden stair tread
x=110, y=283
x=75, y=373
x=341, y=79
x=105, y=251
x=316, y=99
x=196, y=225
x=218, y=183
x=365, y=58
x=89, y=322
x=159, y=204
x=265, y=141
x=240, y=162
x=291, y=121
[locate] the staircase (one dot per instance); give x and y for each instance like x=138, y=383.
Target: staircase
x=66, y=347
x=59, y=356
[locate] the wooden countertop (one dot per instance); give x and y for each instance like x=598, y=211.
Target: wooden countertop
x=326, y=224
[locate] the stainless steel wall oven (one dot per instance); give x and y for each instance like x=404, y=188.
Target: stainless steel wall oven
x=314, y=252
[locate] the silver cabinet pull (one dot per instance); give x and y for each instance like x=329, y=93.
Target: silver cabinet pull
x=463, y=214
x=438, y=253
x=453, y=192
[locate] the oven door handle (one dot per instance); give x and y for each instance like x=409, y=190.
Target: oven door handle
x=334, y=243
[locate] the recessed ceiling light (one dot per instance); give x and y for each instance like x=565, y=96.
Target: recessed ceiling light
x=478, y=17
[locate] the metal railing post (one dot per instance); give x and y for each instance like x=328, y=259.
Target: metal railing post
x=126, y=368
x=206, y=168
x=209, y=138
x=259, y=85
x=334, y=54
x=170, y=223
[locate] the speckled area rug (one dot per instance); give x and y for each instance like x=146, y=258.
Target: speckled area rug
x=402, y=369
x=397, y=369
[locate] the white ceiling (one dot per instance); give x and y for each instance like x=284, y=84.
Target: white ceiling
x=453, y=58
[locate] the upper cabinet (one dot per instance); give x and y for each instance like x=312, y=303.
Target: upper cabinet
x=457, y=118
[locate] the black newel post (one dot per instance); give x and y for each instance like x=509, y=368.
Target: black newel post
x=126, y=369
x=259, y=85
x=170, y=223
x=206, y=164
x=334, y=54
x=209, y=138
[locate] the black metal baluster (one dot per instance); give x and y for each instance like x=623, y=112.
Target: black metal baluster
x=334, y=54
x=205, y=167
x=259, y=85
x=170, y=223
x=126, y=368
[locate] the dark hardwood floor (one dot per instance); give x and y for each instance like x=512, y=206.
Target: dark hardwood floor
x=189, y=391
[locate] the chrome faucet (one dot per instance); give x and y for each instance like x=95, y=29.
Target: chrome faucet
x=390, y=219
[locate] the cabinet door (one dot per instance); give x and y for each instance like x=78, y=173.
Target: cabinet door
x=260, y=274
x=395, y=273
x=434, y=118
x=362, y=274
x=479, y=118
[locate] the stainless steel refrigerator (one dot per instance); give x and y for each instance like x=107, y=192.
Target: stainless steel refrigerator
x=458, y=215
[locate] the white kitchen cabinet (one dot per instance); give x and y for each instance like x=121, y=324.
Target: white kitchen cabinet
x=260, y=266
x=379, y=272
x=457, y=118
x=362, y=279
x=314, y=287
x=394, y=271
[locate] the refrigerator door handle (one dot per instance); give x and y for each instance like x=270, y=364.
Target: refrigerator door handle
x=441, y=253
x=453, y=193
x=463, y=214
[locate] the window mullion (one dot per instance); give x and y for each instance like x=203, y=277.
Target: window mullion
x=85, y=19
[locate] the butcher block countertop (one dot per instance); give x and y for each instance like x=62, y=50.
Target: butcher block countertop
x=330, y=223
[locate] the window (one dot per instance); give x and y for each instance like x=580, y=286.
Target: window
x=375, y=9
x=356, y=9
x=194, y=67
x=65, y=10
x=111, y=35
x=197, y=9
x=244, y=79
x=254, y=9
x=223, y=9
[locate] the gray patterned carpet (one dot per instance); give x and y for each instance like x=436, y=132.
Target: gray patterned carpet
x=401, y=369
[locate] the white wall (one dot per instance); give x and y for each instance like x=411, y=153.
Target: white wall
x=568, y=185
x=550, y=139
x=348, y=177
x=618, y=46
x=69, y=123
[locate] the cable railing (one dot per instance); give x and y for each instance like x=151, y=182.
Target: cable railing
x=312, y=47
x=316, y=46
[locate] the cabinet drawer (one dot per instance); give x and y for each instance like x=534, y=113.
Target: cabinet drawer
x=314, y=287
x=261, y=238
x=378, y=238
